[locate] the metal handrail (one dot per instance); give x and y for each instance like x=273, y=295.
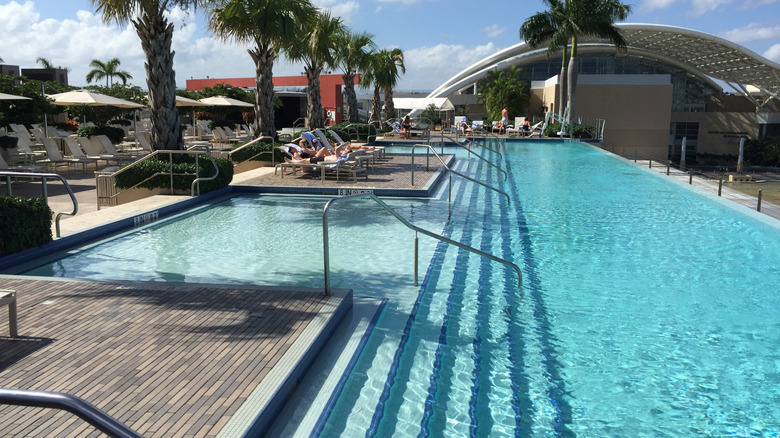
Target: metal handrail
x=170, y=153
x=478, y=156
x=469, y=142
x=273, y=146
x=78, y=406
x=408, y=225
x=477, y=131
x=44, y=176
x=355, y=126
x=451, y=172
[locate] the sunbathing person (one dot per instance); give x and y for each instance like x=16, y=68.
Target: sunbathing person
x=350, y=146
x=341, y=151
x=306, y=151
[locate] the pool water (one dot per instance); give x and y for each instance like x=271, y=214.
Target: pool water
x=646, y=308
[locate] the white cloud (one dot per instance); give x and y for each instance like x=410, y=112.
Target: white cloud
x=406, y=2
x=494, y=30
x=773, y=53
x=752, y=32
x=428, y=67
x=345, y=10
x=651, y=5
x=701, y=7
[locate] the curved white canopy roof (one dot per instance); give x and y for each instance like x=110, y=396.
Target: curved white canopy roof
x=703, y=55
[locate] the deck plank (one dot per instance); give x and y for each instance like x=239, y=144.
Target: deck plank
x=166, y=360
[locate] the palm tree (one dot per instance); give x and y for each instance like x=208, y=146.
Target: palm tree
x=270, y=26
x=107, y=70
x=353, y=56
x=390, y=61
x=46, y=64
x=156, y=34
x=565, y=22
x=369, y=79
x=503, y=88
x=316, y=49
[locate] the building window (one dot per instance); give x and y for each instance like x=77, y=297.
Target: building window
x=689, y=131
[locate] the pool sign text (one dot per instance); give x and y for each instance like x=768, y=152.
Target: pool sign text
x=347, y=192
x=146, y=218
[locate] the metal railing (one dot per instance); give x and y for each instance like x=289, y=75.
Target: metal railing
x=44, y=177
x=488, y=162
x=469, y=143
x=409, y=225
x=55, y=400
x=154, y=155
x=356, y=126
x=243, y=146
x=449, y=195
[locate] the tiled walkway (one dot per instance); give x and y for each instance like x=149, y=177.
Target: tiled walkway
x=167, y=361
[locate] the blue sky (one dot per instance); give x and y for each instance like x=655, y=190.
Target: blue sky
x=438, y=37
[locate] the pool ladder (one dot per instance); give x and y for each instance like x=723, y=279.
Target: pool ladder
x=416, y=229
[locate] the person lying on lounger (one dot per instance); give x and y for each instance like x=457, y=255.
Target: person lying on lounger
x=341, y=151
x=350, y=146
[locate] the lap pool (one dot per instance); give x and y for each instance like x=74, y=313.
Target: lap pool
x=646, y=309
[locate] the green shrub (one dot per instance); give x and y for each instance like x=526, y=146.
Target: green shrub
x=764, y=151
x=116, y=135
x=184, y=171
x=252, y=152
x=120, y=122
x=24, y=223
x=580, y=131
x=343, y=134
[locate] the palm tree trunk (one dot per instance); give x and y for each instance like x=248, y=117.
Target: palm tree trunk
x=376, y=101
x=314, y=107
x=264, y=92
x=572, y=80
x=350, y=98
x=156, y=35
x=562, y=95
x=389, y=108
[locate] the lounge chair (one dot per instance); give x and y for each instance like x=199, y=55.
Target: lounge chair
x=55, y=156
x=25, y=168
x=516, y=130
x=380, y=150
x=537, y=129
x=104, y=143
x=143, y=142
x=232, y=135
x=347, y=164
x=72, y=145
x=24, y=146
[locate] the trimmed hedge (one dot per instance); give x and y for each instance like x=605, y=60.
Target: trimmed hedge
x=254, y=149
x=147, y=168
x=24, y=223
x=580, y=130
x=116, y=135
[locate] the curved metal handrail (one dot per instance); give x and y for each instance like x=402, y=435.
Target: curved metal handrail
x=408, y=225
x=78, y=406
x=170, y=153
x=44, y=176
x=429, y=147
x=355, y=126
x=478, y=155
x=273, y=146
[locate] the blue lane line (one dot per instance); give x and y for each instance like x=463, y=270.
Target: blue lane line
x=431, y=277
x=533, y=284
x=436, y=402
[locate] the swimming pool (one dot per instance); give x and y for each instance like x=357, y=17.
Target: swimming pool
x=646, y=308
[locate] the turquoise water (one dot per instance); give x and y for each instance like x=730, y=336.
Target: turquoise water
x=646, y=309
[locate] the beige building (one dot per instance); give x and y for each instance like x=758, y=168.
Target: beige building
x=667, y=85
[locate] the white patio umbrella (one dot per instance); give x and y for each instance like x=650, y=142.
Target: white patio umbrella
x=4, y=96
x=91, y=98
x=225, y=101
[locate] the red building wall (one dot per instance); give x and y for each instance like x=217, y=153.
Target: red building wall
x=330, y=87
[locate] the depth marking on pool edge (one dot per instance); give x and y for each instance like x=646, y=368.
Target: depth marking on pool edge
x=146, y=218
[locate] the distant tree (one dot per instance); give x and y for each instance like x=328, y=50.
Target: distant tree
x=565, y=22
x=353, y=51
x=316, y=49
x=45, y=63
x=503, y=88
x=156, y=35
x=24, y=111
x=107, y=70
x=389, y=67
x=269, y=26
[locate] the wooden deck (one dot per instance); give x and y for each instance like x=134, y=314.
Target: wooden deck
x=167, y=361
